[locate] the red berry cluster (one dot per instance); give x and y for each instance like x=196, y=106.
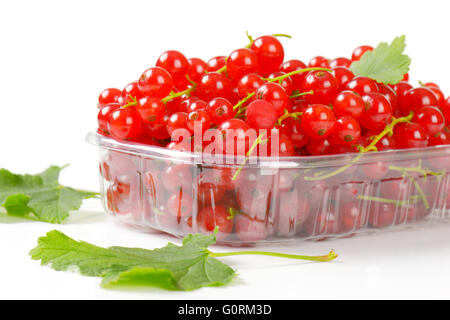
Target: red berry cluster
x=253, y=88
x=319, y=108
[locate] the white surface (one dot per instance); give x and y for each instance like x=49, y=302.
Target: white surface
x=55, y=58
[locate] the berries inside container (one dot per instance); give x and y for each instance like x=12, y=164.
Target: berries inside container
x=269, y=150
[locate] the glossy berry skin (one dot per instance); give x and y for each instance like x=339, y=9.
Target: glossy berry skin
x=318, y=121
x=176, y=64
x=176, y=177
x=390, y=94
x=417, y=98
x=410, y=135
x=155, y=82
x=348, y=103
x=275, y=94
x=234, y=132
x=446, y=110
x=342, y=75
x=248, y=84
x=362, y=85
x=108, y=96
x=261, y=114
x=212, y=85
x=324, y=85
x=131, y=90
x=359, y=52
x=319, y=62
x=201, y=117
x=196, y=69
x=151, y=109
x=441, y=138
x=215, y=216
x=298, y=137
x=340, y=62
x=431, y=119
x=194, y=105
x=286, y=83
x=216, y=63
x=241, y=62
x=347, y=131
x=294, y=65
x=285, y=147
x=400, y=89
x=270, y=54
x=438, y=93
x=377, y=112
x=319, y=147
x=178, y=120
x=180, y=204
x=103, y=116
x=220, y=109
x=125, y=124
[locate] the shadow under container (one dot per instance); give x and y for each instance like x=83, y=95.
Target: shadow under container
x=272, y=200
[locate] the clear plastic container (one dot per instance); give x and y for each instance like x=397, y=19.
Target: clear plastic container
x=273, y=200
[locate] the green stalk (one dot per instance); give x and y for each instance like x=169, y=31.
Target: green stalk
x=295, y=72
x=330, y=256
x=249, y=152
x=179, y=94
x=301, y=94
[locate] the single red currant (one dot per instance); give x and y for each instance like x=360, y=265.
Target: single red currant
x=178, y=120
x=319, y=62
x=261, y=114
x=151, y=109
x=377, y=112
x=319, y=147
x=176, y=64
x=348, y=103
x=275, y=94
x=418, y=98
x=347, y=131
x=410, y=135
x=180, y=204
x=248, y=84
x=155, y=82
x=362, y=85
x=212, y=85
x=340, y=62
x=241, y=62
x=294, y=65
x=216, y=63
x=431, y=119
x=200, y=117
x=286, y=83
x=270, y=53
x=196, y=69
x=441, y=138
x=323, y=84
x=216, y=216
x=220, y=109
x=342, y=75
x=359, y=52
x=318, y=121
x=108, y=96
x=125, y=124
x=130, y=91
x=103, y=116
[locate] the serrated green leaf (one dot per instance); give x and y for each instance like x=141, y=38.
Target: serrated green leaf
x=185, y=267
x=386, y=63
x=40, y=195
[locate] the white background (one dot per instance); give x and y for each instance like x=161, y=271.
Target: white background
x=55, y=58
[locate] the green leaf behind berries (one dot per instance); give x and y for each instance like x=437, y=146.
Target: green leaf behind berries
x=40, y=195
x=386, y=63
x=173, y=267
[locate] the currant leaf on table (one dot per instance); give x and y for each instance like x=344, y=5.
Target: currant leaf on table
x=186, y=267
x=40, y=195
x=386, y=63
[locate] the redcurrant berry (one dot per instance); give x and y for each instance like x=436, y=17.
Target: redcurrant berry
x=155, y=82
x=270, y=53
x=323, y=84
x=348, y=103
x=318, y=121
x=241, y=62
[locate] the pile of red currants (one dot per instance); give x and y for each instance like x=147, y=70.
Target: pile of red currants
x=319, y=108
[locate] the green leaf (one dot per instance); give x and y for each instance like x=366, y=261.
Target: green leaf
x=386, y=63
x=40, y=194
x=185, y=267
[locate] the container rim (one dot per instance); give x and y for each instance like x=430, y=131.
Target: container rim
x=324, y=161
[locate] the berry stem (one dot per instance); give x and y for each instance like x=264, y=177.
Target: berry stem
x=295, y=72
x=417, y=169
x=302, y=94
x=223, y=69
x=286, y=115
x=330, y=256
x=133, y=102
x=240, y=103
x=387, y=200
x=249, y=152
x=179, y=94
x=371, y=147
